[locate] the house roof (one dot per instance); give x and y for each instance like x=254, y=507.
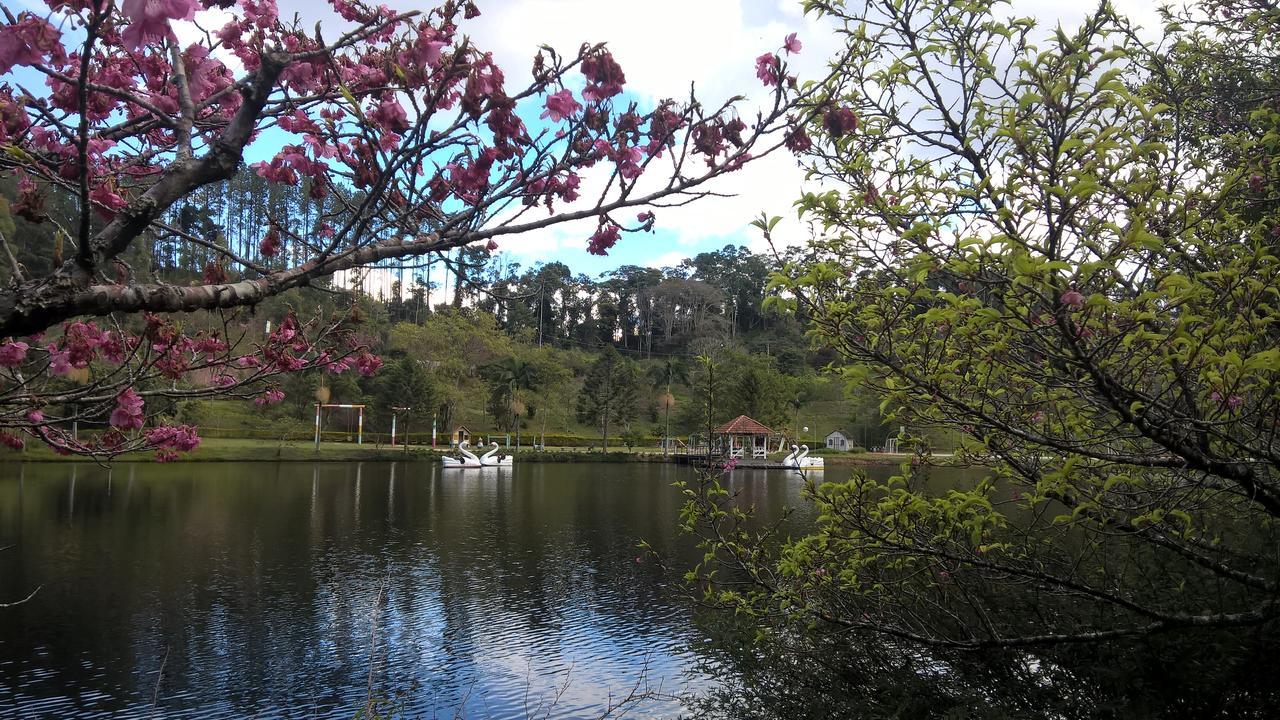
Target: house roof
x=845, y=433
x=463, y=428
x=742, y=425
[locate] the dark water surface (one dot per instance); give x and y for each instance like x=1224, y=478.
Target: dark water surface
x=270, y=590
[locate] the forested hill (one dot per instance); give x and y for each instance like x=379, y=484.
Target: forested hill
x=470, y=338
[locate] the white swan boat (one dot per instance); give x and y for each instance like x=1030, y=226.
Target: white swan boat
x=469, y=459
x=492, y=459
x=799, y=459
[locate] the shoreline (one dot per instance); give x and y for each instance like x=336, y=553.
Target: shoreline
x=214, y=450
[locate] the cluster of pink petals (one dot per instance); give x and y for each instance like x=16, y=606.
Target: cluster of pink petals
x=769, y=69
x=546, y=189
x=1072, y=299
x=605, y=237
x=210, y=344
x=270, y=397
x=182, y=438
x=798, y=141
x=106, y=200
x=368, y=363
x=389, y=115
x=149, y=19
x=29, y=41
x=428, y=46
x=13, y=354
x=12, y=441
x=1230, y=402
x=792, y=44
x=270, y=244
x=128, y=413
x=561, y=106
x=469, y=181
x=605, y=76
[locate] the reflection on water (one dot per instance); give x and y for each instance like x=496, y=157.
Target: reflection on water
x=256, y=587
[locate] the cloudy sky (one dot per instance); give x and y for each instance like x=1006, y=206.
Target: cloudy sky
x=663, y=45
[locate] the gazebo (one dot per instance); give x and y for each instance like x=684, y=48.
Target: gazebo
x=740, y=435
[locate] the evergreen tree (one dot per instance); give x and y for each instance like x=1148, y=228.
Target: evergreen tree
x=611, y=392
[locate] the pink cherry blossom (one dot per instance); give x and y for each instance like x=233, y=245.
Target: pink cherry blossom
x=792, y=44
x=561, y=106
x=390, y=115
x=128, y=413
x=270, y=244
x=368, y=363
x=182, y=438
x=768, y=69
x=149, y=19
x=605, y=237
x=605, y=76
x=798, y=141
x=1072, y=299
x=29, y=41
x=59, y=360
x=13, y=354
x=269, y=397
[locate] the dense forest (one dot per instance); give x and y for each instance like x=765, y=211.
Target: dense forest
x=470, y=338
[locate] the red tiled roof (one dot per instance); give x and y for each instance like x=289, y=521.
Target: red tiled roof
x=742, y=425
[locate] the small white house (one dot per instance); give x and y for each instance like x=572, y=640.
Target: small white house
x=839, y=440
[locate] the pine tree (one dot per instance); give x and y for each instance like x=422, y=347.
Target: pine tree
x=610, y=393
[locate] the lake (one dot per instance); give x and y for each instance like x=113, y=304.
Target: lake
x=284, y=590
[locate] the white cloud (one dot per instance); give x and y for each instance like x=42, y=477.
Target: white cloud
x=667, y=259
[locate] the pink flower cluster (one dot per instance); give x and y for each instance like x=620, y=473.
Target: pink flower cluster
x=546, y=189
x=368, y=363
x=270, y=397
x=561, y=106
x=149, y=19
x=128, y=413
x=270, y=244
x=182, y=438
x=605, y=237
x=604, y=75
x=29, y=41
x=13, y=354
x=769, y=69
x=81, y=343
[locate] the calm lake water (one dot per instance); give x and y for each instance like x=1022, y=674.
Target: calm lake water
x=272, y=590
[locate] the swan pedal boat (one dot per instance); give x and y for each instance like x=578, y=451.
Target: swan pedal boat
x=492, y=459
x=469, y=459
x=799, y=459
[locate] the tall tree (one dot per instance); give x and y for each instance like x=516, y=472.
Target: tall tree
x=610, y=392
